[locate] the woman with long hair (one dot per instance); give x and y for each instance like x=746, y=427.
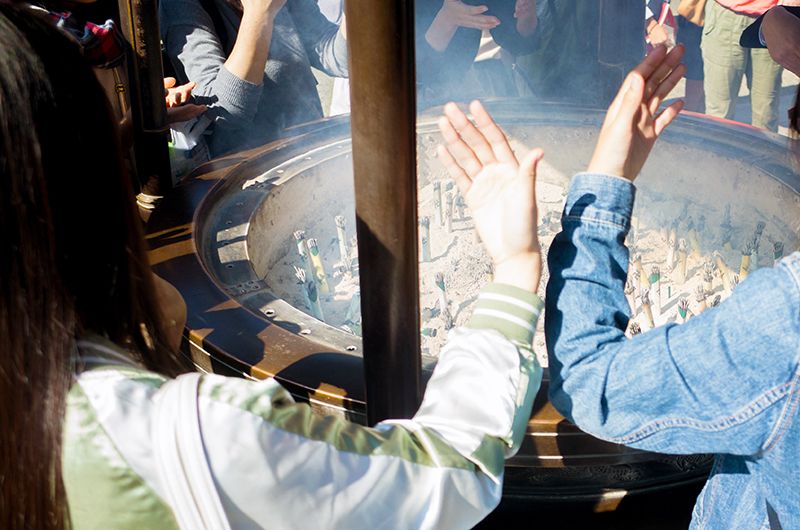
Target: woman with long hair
x=86, y=371
x=73, y=259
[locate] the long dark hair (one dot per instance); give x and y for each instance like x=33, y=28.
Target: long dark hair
x=72, y=261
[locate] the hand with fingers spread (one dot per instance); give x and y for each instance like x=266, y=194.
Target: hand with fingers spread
x=456, y=14
x=633, y=122
x=499, y=191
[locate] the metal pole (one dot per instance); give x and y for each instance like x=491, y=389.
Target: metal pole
x=139, y=25
x=383, y=117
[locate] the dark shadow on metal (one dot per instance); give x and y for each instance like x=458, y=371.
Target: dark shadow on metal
x=383, y=118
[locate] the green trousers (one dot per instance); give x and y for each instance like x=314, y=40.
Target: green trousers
x=726, y=62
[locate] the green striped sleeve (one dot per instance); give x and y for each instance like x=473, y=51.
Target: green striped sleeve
x=510, y=310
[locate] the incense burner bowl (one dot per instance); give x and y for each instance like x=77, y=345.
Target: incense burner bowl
x=226, y=239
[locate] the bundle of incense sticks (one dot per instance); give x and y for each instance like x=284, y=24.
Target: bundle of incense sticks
x=694, y=242
x=680, y=276
x=302, y=251
x=655, y=283
x=700, y=296
x=437, y=203
x=683, y=309
x=708, y=274
x=726, y=229
x=425, y=237
x=340, y=235
x=724, y=271
x=448, y=212
x=630, y=296
x=777, y=251
x=319, y=271
x=310, y=295
x=672, y=242
x=744, y=267
x=633, y=328
x=444, y=304
x=648, y=313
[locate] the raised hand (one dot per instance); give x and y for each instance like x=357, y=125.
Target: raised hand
x=467, y=16
x=525, y=13
x=633, y=123
x=456, y=14
x=499, y=191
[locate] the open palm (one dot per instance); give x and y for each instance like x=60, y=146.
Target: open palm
x=499, y=191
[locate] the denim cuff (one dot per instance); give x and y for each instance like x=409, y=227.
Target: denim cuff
x=602, y=199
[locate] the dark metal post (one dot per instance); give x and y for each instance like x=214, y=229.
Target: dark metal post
x=139, y=25
x=383, y=118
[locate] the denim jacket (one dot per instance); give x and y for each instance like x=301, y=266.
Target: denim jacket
x=726, y=382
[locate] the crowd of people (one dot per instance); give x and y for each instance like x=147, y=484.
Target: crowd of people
x=106, y=425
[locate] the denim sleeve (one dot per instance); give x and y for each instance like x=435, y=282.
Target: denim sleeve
x=720, y=383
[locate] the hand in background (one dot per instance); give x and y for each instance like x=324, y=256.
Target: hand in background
x=657, y=34
x=632, y=125
x=525, y=13
x=456, y=14
x=176, y=97
x=499, y=191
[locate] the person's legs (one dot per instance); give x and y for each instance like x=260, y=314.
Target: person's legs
x=764, y=80
x=723, y=60
x=690, y=35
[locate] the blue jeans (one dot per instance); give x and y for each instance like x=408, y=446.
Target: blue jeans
x=725, y=382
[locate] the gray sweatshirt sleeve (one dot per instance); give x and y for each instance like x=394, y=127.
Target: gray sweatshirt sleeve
x=325, y=45
x=189, y=35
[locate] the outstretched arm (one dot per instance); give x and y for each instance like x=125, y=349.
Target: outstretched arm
x=718, y=383
x=445, y=465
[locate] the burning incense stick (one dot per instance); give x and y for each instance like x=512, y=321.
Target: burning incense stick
x=700, y=296
x=310, y=296
x=655, y=283
x=425, y=236
x=681, y=271
x=648, y=312
x=630, y=296
x=437, y=203
x=340, y=235
x=448, y=212
x=319, y=271
x=683, y=309
x=444, y=304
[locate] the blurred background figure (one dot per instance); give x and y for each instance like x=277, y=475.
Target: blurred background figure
x=252, y=61
x=340, y=95
x=726, y=62
x=582, y=49
x=690, y=32
x=448, y=39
